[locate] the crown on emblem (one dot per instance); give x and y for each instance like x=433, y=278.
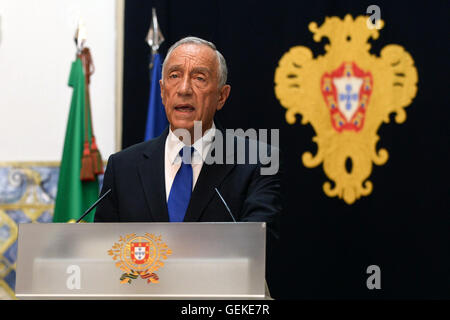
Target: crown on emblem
x=351, y=34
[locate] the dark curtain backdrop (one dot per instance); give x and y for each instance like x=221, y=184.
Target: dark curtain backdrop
x=403, y=226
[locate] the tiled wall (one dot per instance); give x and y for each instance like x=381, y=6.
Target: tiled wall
x=27, y=195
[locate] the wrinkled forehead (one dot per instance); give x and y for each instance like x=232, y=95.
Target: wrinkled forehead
x=191, y=55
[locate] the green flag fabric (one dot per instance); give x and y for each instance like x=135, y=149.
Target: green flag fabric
x=73, y=195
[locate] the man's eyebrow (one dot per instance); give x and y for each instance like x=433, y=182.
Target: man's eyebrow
x=174, y=67
x=178, y=67
x=201, y=70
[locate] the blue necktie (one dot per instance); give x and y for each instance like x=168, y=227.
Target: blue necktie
x=181, y=190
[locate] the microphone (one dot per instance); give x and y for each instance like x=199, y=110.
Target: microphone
x=225, y=203
x=94, y=205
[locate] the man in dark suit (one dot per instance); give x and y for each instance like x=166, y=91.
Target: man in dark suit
x=152, y=182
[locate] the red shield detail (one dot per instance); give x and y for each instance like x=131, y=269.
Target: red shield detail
x=140, y=252
x=346, y=92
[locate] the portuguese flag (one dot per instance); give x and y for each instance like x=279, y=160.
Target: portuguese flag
x=81, y=162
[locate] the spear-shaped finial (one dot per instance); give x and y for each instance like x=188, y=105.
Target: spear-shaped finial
x=154, y=36
x=80, y=36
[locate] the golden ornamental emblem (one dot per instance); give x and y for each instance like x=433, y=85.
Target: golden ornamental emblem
x=346, y=94
x=139, y=256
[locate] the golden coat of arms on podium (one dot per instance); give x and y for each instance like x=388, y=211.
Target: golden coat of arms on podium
x=139, y=256
x=346, y=94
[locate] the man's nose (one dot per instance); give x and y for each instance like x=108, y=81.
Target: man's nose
x=185, y=87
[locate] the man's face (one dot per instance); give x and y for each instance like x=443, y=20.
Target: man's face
x=190, y=89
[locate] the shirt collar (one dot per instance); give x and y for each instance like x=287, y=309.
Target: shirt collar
x=201, y=146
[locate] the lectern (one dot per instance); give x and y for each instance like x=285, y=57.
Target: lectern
x=141, y=261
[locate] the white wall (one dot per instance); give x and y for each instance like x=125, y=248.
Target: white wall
x=36, y=52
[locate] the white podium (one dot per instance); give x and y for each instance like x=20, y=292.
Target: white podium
x=141, y=261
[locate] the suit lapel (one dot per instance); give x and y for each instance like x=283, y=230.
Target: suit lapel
x=151, y=172
x=210, y=177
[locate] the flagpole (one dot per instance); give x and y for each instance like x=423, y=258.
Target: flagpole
x=156, y=116
x=154, y=36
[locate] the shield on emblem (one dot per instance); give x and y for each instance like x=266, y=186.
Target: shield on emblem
x=346, y=92
x=348, y=95
x=140, y=252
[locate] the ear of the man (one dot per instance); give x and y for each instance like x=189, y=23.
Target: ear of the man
x=223, y=95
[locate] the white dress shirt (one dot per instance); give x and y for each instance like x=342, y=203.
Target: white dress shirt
x=172, y=157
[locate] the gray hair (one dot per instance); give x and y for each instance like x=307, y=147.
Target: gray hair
x=223, y=71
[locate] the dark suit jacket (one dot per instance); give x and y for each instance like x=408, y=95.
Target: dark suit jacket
x=136, y=177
